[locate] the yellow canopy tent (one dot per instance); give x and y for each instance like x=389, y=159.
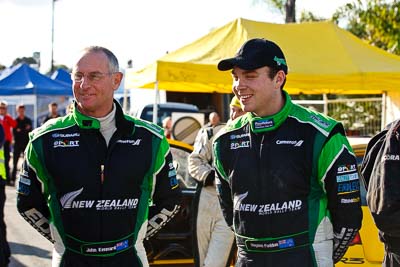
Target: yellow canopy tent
x=322, y=58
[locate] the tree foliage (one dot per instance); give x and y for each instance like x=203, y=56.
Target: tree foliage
x=376, y=21
x=307, y=16
x=286, y=7
x=27, y=60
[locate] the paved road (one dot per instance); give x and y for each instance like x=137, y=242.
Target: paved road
x=28, y=247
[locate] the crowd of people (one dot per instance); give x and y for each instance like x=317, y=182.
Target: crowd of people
x=277, y=181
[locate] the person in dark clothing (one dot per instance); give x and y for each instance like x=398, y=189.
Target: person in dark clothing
x=97, y=182
x=381, y=171
x=287, y=176
x=53, y=112
x=4, y=247
x=21, y=138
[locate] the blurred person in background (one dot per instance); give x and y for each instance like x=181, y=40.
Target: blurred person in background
x=4, y=246
x=70, y=108
x=235, y=109
x=8, y=123
x=167, y=125
x=213, y=120
x=21, y=138
x=53, y=112
x=213, y=239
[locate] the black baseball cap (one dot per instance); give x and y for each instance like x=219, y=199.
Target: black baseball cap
x=256, y=53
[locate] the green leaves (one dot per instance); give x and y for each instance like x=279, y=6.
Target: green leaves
x=376, y=21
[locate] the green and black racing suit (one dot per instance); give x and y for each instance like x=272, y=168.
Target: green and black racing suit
x=289, y=186
x=96, y=202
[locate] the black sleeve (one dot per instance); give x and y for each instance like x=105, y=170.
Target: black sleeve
x=31, y=203
x=342, y=185
x=166, y=199
x=222, y=183
x=370, y=155
x=225, y=198
x=382, y=169
x=2, y=136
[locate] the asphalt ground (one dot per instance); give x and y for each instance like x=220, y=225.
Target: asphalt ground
x=28, y=247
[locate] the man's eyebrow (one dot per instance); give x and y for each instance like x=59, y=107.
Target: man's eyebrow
x=249, y=71
x=246, y=72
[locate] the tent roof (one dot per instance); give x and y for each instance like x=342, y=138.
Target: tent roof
x=322, y=58
x=63, y=76
x=23, y=80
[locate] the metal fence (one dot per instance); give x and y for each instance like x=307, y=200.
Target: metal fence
x=360, y=116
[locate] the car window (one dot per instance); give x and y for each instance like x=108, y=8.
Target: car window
x=180, y=159
x=162, y=112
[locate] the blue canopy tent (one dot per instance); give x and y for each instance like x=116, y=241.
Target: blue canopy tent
x=62, y=75
x=24, y=84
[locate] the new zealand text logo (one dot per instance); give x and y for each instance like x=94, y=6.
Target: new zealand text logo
x=68, y=202
x=237, y=201
x=268, y=208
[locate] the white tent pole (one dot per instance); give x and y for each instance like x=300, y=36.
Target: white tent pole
x=325, y=97
x=125, y=102
x=35, y=113
x=156, y=101
x=384, y=110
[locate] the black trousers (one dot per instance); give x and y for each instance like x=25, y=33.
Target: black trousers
x=4, y=248
x=392, y=257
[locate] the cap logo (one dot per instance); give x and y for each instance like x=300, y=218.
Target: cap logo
x=279, y=61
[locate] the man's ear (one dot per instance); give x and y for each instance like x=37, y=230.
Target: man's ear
x=117, y=78
x=279, y=78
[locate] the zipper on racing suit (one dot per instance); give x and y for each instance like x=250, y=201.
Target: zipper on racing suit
x=102, y=173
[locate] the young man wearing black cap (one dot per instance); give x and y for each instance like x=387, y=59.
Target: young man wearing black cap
x=287, y=176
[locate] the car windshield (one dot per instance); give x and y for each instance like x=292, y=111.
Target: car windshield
x=181, y=165
x=162, y=113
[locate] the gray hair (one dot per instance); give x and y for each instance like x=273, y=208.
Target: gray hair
x=112, y=59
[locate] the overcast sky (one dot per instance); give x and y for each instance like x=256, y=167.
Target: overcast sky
x=139, y=30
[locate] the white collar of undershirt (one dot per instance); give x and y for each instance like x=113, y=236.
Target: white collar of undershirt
x=107, y=124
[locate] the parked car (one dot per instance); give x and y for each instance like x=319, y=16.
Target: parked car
x=172, y=246
x=164, y=110
x=187, y=120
